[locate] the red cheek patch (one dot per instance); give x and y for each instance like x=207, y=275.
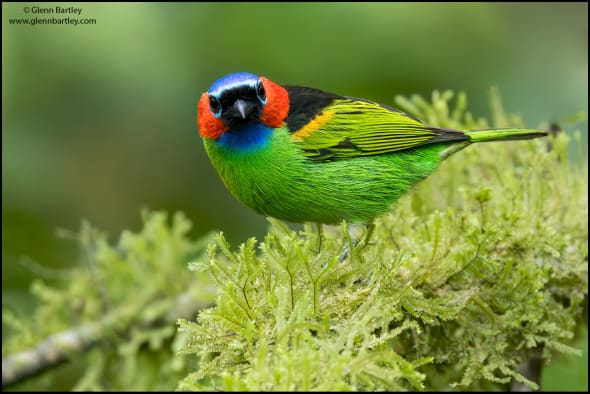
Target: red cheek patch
x=277, y=104
x=209, y=125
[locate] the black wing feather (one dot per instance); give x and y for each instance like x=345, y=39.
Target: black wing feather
x=305, y=104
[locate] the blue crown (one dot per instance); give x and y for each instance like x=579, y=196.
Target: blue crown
x=231, y=80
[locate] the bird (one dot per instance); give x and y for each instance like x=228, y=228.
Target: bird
x=301, y=154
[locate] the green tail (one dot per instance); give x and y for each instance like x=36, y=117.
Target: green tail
x=492, y=135
x=504, y=134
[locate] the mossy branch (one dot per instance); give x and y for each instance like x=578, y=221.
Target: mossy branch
x=59, y=348
x=478, y=273
x=120, y=300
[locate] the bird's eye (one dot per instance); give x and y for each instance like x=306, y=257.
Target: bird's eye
x=215, y=106
x=260, y=93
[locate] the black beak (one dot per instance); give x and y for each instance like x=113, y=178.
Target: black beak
x=243, y=109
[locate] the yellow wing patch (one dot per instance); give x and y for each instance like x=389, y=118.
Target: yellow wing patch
x=313, y=125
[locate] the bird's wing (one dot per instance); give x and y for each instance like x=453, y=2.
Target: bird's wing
x=349, y=127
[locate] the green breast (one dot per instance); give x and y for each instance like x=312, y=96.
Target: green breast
x=275, y=179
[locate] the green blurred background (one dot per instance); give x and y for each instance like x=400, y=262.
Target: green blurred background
x=98, y=121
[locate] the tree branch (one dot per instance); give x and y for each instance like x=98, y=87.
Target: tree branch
x=530, y=369
x=58, y=348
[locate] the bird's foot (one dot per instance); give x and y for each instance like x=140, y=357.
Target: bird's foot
x=351, y=245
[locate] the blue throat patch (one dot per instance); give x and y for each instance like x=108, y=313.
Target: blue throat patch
x=251, y=137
